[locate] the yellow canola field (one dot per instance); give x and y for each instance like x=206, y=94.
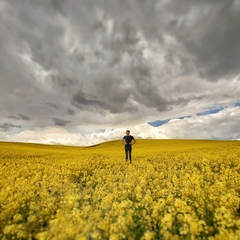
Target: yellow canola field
x=174, y=189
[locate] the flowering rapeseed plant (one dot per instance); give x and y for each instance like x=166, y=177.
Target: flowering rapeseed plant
x=175, y=189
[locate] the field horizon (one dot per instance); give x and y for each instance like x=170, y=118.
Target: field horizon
x=119, y=140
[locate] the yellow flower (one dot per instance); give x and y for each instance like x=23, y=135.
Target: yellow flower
x=148, y=235
x=10, y=229
x=32, y=219
x=17, y=218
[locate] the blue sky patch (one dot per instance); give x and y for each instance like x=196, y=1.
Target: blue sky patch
x=237, y=104
x=210, y=111
x=159, y=123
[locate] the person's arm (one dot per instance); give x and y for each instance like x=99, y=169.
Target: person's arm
x=133, y=141
x=123, y=141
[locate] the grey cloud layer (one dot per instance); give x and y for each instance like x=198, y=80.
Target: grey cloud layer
x=70, y=57
x=6, y=127
x=60, y=122
x=207, y=30
x=20, y=117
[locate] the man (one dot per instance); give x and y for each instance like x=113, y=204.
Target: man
x=128, y=140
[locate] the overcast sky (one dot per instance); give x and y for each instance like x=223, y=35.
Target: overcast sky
x=83, y=71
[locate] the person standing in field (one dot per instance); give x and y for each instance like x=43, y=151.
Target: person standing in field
x=128, y=140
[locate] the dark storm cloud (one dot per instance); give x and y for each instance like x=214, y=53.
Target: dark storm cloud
x=20, y=117
x=124, y=38
x=107, y=91
x=53, y=105
x=60, y=122
x=71, y=112
x=60, y=56
x=24, y=117
x=206, y=33
x=145, y=91
x=209, y=33
x=6, y=127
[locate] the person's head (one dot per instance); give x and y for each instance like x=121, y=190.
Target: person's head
x=127, y=132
